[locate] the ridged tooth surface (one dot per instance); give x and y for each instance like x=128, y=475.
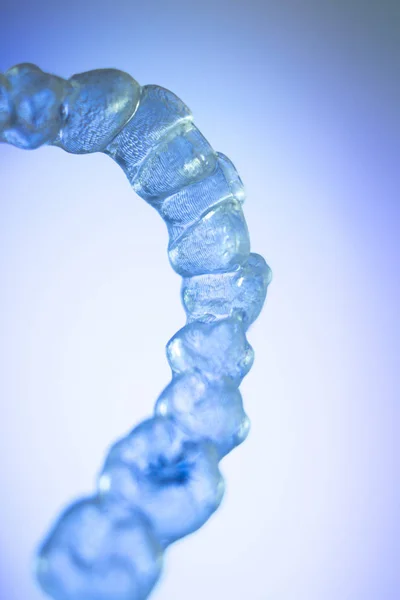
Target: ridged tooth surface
x=219, y=350
x=159, y=111
x=98, y=105
x=216, y=296
x=218, y=242
x=179, y=160
x=185, y=207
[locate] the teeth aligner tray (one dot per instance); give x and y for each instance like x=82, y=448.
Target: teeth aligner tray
x=162, y=481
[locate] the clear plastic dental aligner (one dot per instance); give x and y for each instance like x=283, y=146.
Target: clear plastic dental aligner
x=162, y=481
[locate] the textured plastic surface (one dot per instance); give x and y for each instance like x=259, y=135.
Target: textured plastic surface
x=241, y=293
x=98, y=104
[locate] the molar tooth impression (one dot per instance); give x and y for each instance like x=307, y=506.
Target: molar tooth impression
x=184, y=158
x=206, y=410
x=99, y=551
x=161, y=481
x=240, y=292
x=218, y=242
x=158, y=113
x=217, y=349
x=174, y=481
x=98, y=105
x=36, y=98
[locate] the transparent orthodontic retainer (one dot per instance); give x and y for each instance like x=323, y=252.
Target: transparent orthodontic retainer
x=162, y=481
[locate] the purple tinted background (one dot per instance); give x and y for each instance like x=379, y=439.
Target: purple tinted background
x=303, y=96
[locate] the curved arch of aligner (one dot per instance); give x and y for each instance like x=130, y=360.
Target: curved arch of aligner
x=162, y=481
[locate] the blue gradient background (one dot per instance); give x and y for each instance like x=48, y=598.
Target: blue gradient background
x=303, y=96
